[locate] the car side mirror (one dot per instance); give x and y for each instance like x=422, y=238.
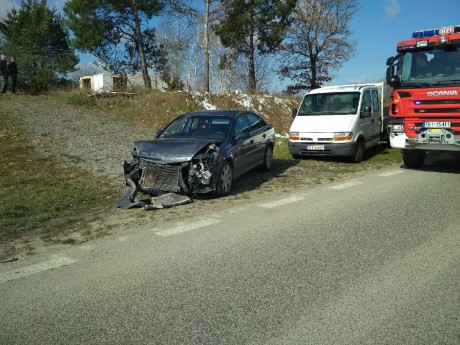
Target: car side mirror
x=294, y=113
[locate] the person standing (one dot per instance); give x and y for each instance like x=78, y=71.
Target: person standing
x=13, y=72
x=3, y=72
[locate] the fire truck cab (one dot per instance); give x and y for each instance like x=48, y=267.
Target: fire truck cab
x=425, y=107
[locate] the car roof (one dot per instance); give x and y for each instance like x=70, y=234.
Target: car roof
x=231, y=113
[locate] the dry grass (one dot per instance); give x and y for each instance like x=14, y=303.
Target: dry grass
x=43, y=196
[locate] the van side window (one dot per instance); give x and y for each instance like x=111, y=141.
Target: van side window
x=366, y=100
x=375, y=101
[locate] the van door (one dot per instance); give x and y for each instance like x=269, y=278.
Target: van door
x=376, y=111
x=365, y=121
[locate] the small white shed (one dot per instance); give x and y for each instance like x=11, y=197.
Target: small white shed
x=105, y=82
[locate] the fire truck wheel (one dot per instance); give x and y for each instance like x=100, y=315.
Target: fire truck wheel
x=414, y=158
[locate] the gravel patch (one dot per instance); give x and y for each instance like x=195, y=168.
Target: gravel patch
x=88, y=138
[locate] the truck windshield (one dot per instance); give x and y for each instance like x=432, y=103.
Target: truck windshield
x=430, y=68
x=336, y=103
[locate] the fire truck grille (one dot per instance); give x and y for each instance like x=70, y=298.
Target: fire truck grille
x=437, y=110
x=439, y=101
x=164, y=177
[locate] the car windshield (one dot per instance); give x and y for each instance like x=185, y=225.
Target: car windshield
x=336, y=103
x=206, y=127
x=430, y=68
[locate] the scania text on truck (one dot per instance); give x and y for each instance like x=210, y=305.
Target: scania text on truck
x=340, y=121
x=425, y=107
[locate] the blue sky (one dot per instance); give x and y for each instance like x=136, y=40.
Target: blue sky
x=377, y=27
x=380, y=24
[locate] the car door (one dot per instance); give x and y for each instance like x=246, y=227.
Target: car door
x=365, y=117
x=241, y=145
x=259, y=138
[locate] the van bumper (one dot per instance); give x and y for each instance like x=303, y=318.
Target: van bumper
x=316, y=149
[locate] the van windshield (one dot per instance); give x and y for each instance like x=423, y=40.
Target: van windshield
x=334, y=103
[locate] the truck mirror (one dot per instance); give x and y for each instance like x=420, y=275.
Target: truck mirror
x=390, y=61
x=394, y=81
x=294, y=112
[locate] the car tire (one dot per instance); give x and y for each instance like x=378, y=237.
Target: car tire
x=414, y=159
x=268, y=158
x=224, y=180
x=358, y=153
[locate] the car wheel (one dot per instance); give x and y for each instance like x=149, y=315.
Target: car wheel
x=224, y=180
x=268, y=158
x=358, y=155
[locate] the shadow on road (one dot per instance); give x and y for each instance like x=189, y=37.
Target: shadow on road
x=445, y=162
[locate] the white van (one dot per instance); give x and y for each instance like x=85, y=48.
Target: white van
x=339, y=121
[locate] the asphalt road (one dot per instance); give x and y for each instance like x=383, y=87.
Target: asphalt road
x=372, y=260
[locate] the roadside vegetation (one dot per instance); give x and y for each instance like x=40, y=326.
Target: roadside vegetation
x=39, y=194
x=45, y=196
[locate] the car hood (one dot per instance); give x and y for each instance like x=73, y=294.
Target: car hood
x=169, y=151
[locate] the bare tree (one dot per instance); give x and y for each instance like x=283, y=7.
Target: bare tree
x=264, y=72
x=85, y=70
x=318, y=42
x=206, y=17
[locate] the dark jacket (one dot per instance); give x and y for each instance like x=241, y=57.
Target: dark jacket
x=3, y=67
x=12, y=68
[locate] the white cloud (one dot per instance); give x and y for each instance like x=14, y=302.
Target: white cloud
x=392, y=9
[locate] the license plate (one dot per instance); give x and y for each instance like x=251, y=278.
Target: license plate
x=315, y=147
x=436, y=124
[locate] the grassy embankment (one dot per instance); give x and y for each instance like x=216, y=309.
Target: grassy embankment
x=38, y=194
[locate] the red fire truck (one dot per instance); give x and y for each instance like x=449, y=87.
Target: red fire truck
x=425, y=107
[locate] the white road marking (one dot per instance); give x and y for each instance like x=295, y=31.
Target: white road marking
x=346, y=185
x=32, y=269
x=282, y=202
x=390, y=173
x=188, y=227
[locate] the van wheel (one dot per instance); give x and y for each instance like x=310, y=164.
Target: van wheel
x=358, y=155
x=414, y=159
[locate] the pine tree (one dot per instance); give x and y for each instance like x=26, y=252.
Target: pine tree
x=112, y=31
x=254, y=25
x=35, y=35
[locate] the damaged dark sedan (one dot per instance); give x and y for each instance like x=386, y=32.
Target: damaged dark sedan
x=200, y=152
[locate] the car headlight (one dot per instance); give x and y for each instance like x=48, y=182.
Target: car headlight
x=294, y=136
x=343, y=136
x=396, y=128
